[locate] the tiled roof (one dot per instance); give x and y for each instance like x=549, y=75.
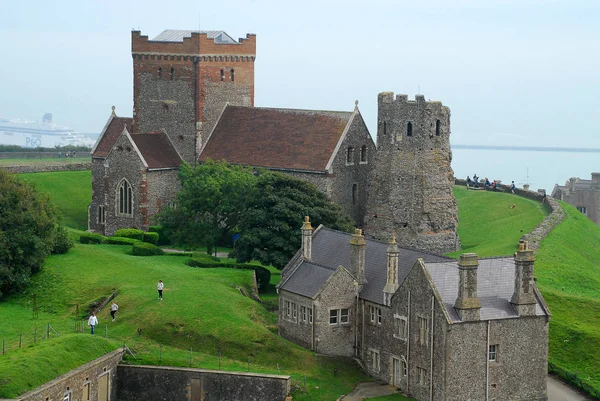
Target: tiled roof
x=157, y=150
x=276, y=138
x=495, y=287
x=177, y=35
x=331, y=249
x=108, y=138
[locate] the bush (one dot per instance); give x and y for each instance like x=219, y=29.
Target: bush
x=62, y=242
x=91, y=238
x=263, y=276
x=151, y=238
x=120, y=241
x=130, y=233
x=146, y=249
x=205, y=257
x=163, y=239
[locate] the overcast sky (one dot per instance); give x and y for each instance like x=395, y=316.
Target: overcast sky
x=512, y=71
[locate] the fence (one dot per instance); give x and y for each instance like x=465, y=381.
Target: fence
x=574, y=380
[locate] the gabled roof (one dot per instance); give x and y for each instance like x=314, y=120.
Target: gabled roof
x=157, y=150
x=177, y=35
x=495, y=286
x=112, y=130
x=331, y=248
x=277, y=138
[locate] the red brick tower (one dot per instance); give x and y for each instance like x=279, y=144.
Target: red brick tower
x=183, y=79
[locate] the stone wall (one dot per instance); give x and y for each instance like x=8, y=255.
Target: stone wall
x=89, y=377
x=181, y=384
x=296, y=329
x=46, y=168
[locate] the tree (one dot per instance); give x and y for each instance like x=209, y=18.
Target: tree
x=210, y=203
x=29, y=231
x=275, y=210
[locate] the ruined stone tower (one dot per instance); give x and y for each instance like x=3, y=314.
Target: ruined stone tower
x=410, y=183
x=183, y=79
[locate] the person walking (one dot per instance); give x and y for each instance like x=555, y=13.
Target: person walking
x=160, y=287
x=113, y=309
x=512, y=187
x=93, y=321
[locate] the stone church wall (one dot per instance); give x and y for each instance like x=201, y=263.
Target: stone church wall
x=295, y=328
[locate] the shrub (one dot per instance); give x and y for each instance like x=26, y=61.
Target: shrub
x=205, y=257
x=146, y=249
x=62, y=242
x=263, y=276
x=151, y=238
x=130, y=233
x=91, y=238
x=120, y=241
x=163, y=239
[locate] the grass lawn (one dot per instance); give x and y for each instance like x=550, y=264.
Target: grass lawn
x=48, y=161
x=70, y=191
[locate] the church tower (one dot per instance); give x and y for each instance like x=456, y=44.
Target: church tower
x=411, y=180
x=183, y=79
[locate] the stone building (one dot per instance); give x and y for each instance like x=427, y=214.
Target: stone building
x=583, y=194
x=411, y=180
x=436, y=328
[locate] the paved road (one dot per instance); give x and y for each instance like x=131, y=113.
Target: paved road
x=558, y=391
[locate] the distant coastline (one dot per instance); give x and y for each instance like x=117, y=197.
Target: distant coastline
x=528, y=148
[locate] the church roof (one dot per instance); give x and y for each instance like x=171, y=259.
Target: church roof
x=331, y=248
x=110, y=134
x=177, y=35
x=288, y=139
x=157, y=150
x=495, y=287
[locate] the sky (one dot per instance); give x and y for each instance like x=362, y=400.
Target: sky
x=513, y=72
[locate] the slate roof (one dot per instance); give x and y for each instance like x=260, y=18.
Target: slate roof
x=331, y=248
x=276, y=138
x=495, y=286
x=177, y=35
x=157, y=150
x=580, y=185
x=107, y=139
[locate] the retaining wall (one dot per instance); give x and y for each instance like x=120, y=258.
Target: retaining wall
x=44, y=168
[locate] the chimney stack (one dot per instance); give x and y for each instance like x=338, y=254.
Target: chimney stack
x=307, y=239
x=572, y=181
x=358, y=246
x=467, y=304
x=392, y=272
x=523, y=298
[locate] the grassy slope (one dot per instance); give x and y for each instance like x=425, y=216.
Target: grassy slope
x=71, y=192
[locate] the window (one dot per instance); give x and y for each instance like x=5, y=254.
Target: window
x=344, y=316
x=379, y=316
x=159, y=72
x=409, y=129
x=222, y=75
x=493, y=353
x=101, y=218
x=437, y=127
x=303, y=313
x=354, y=194
x=294, y=312
x=310, y=316
x=421, y=376
x=401, y=327
x=363, y=154
x=375, y=315
x=67, y=396
x=372, y=314
x=374, y=360
x=125, y=201
x=350, y=155
x=172, y=73
x=232, y=75
x=404, y=369
x=333, y=316
x=423, y=330
x=287, y=309
x=582, y=209
x=86, y=391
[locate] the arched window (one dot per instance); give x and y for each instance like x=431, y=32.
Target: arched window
x=124, y=199
x=363, y=154
x=409, y=129
x=437, y=127
x=172, y=73
x=222, y=75
x=159, y=72
x=350, y=154
x=232, y=75
x=354, y=194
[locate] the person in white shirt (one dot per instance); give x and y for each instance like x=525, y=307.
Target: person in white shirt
x=93, y=321
x=113, y=309
x=160, y=287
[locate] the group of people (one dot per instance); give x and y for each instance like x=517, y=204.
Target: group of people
x=476, y=182
x=93, y=320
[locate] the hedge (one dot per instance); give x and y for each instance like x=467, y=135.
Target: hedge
x=263, y=276
x=151, y=238
x=145, y=249
x=91, y=238
x=120, y=241
x=162, y=237
x=130, y=233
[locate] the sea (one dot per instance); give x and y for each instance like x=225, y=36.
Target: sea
x=541, y=169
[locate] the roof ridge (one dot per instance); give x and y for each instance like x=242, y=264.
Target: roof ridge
x=291, y=109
